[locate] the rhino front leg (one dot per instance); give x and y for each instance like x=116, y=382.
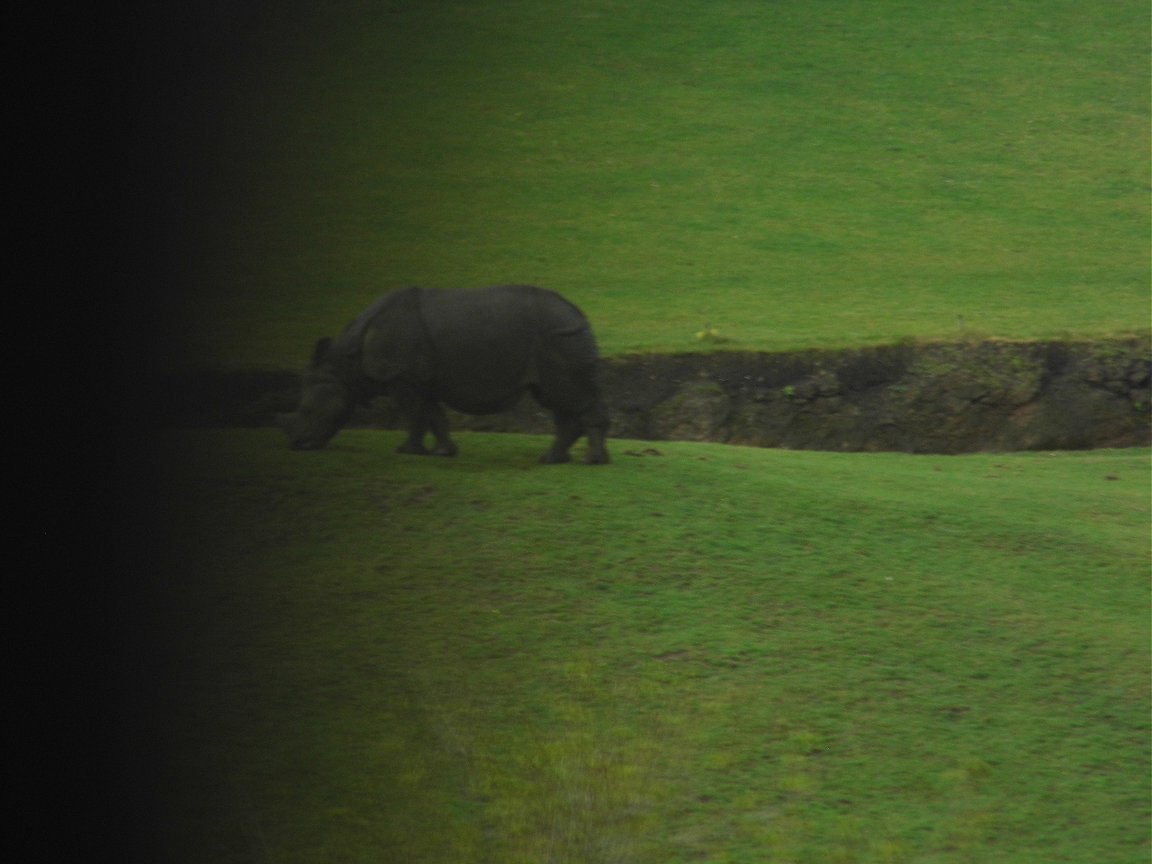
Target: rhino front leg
x=422, y=418
x=438, y=423
x=414, y=444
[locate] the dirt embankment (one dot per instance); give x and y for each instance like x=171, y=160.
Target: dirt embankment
x=941, y=398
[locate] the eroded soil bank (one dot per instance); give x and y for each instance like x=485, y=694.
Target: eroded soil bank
x=915, y=398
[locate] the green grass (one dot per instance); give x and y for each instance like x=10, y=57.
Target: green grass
x=712, y=654
x=794, y=174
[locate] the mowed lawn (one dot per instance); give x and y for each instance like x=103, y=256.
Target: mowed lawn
x=699, y=653
x=792, y=174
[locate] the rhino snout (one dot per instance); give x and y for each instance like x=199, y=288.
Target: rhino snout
x=299, y=436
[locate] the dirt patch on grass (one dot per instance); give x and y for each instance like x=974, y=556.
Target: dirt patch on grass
x=916, y=398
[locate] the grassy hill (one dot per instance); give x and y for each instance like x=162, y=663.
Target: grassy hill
x=792, y=174
x=701, y=654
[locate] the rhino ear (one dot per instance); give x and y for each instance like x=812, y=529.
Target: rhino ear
x=321, y=351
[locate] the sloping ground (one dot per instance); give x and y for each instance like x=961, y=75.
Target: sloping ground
x=916, y=398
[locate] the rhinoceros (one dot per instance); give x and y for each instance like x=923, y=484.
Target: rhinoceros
x=476, y=351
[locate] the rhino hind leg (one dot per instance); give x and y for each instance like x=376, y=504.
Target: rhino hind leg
x=597, y=453
x=423, y=418
x=574, y=399
x=569, y=428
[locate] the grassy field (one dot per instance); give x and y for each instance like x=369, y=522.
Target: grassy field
x=701, y=654
x=792, y=174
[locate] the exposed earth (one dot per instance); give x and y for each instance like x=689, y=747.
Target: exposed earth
x=916, y=398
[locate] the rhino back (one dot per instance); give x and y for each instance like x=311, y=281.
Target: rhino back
x=490, y=344
x=476, y=350
x=484, y=344
x=498, y=313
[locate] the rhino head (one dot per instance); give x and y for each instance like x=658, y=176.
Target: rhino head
x=325, y=404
